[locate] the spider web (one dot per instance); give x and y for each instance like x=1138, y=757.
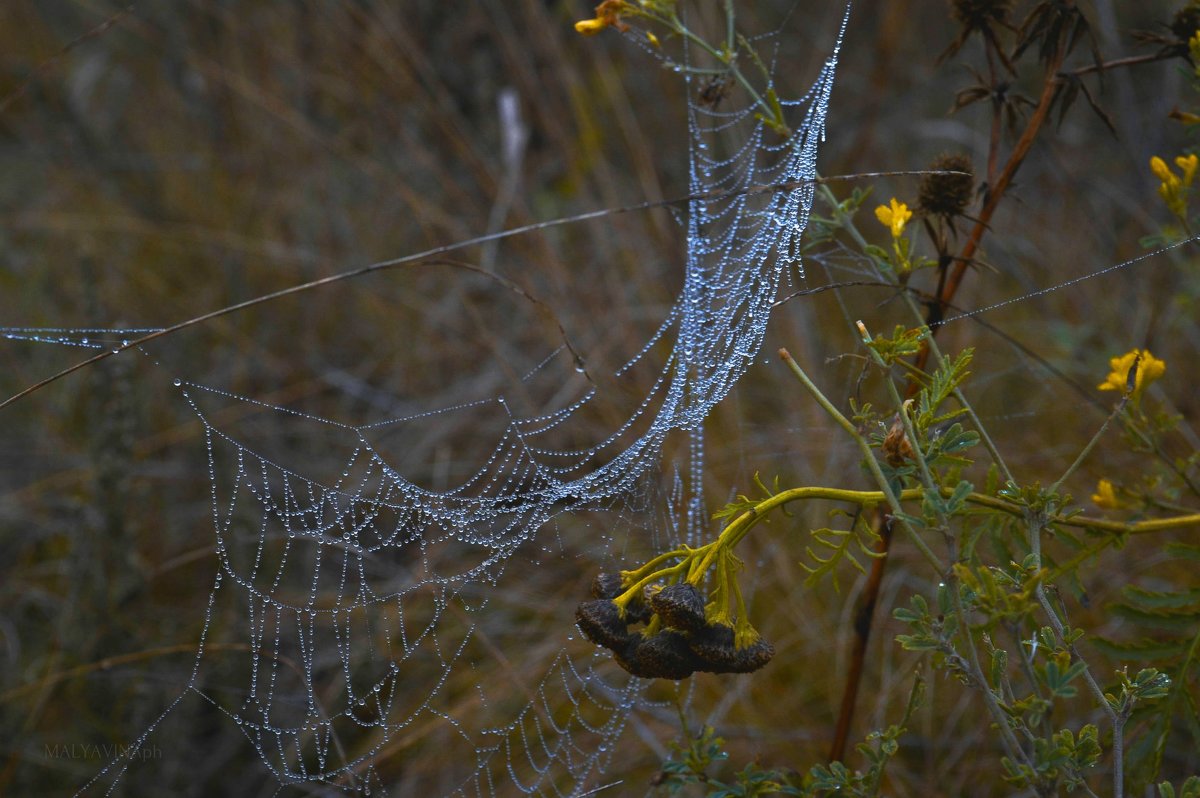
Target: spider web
x=366, y=598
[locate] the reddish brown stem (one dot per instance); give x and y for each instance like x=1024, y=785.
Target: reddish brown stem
x=864, y=615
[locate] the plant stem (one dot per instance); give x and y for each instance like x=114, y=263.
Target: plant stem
x=868, y=455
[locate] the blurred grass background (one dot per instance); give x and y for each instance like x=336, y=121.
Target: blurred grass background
x=201, y=153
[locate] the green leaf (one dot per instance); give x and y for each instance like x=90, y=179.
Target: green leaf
x=1144, y=649
x=1182, y=551
x=1153, y=599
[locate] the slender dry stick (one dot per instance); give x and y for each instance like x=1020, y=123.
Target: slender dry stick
x=431, y=253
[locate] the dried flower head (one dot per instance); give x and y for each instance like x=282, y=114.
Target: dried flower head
x=606, y=586
x=666, y=656
x=980, y=14
x=717, y=652
x=979, y=17
x=1186, y=21
x=896, y=448
x=947, y=195
x=680, y=606
x=714, y=648
x=601, y=622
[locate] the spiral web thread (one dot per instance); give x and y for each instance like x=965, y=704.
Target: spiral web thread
x=377, y=591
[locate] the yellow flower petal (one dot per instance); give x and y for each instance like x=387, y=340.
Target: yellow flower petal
x=590, y=27
x=894, y=216
x=1157, y=165
x=1149, y=369
x=1106, y=496
x=1187, y=164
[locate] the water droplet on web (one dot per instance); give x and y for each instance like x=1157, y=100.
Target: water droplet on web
x=178, y=382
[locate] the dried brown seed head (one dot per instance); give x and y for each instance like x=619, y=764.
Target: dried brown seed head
x=980, y=14
x=606, y=586
x=666, y=656
x=680, y=606
x=1186, y=21
x=947, y=195
x=601, y=622
x=896, y=448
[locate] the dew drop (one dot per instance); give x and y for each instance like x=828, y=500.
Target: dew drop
x=178, y=382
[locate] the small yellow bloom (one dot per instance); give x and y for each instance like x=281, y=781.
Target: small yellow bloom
x=590, y=27
x=1149, y=369
x=1187, y=164
x=1160, y=169
x=1173, y=190
x=608, y=15
x=894, y=216
x=1106, y=496
x=1186, y=117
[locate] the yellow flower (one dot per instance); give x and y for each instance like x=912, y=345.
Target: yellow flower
x=608, y=15
x=1149, y=369
x=1187, y=164
x=1172, y=189
x=589, y=27
x=1186, y=117
x=894, y=216
x=1106, y=496
x=1160, y=169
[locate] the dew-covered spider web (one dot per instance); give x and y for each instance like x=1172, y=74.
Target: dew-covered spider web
x=367, y=601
